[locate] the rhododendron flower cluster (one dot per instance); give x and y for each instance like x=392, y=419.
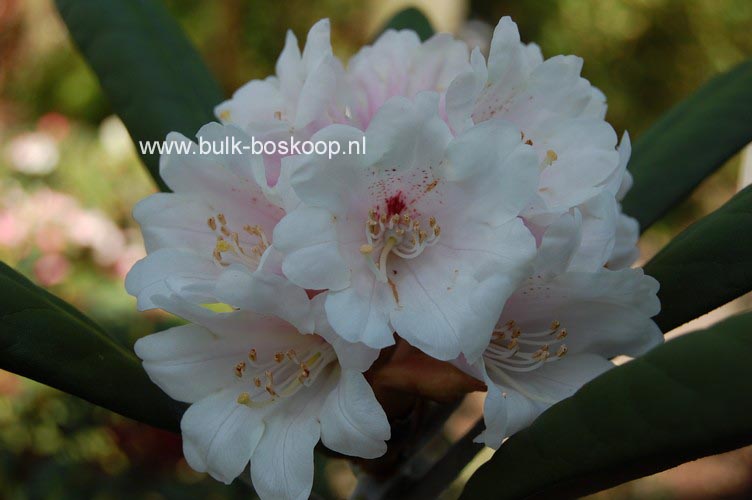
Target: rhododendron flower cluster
x=481, y=225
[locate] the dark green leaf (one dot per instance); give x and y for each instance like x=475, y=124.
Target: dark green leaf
x=707, y=265
x=46, y=339
x=150, y=72
x=683, y=400
x=411, y=19
x=689, y=143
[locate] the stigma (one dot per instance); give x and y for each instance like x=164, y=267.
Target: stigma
x=397, y=234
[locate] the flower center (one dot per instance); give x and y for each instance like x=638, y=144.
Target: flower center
x=513, y=351
x=395, y=234
x=229, y=243
x=281, y=376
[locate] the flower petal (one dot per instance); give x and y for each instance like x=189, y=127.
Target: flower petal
x=352, y=421
x=266, y=291
x=189, y=362
x=282, y=464
x=308, y=239
x=220, y=435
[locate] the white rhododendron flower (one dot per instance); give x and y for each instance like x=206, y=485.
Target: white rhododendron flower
x=481, y=224
x=210, y=239
x=312, y=90
x=560, y=115
x=559, y=330
x=420, y=236
x=263, y=391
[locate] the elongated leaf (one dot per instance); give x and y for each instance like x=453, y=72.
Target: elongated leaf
x=46, y=339
x=707, y=265
x=152, y=75
x=683, y=400
x=689, y=143
x=411, y=19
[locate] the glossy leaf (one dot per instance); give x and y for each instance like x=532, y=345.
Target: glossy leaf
x=707, y=265
x=47, y=340
x=689, y=143
x=683, y=400
x=411, y=19
x=152, y=75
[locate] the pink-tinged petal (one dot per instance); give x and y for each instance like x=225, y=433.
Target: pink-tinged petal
x=220, y=435
x=352, y=421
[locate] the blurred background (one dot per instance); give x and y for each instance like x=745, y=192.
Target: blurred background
x=69, y=176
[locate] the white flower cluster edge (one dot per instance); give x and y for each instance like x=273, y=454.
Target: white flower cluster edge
x=482, y=224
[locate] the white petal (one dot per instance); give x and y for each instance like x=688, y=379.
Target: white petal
x=308, y=239
x=187, y=270
x=451, y=296
x=464, y=91
x=407, y=133
x=189, y=362
x=625, y=251
x=282, y=464
x=219, y=435
x=599, y=217
x=559, y=244
x=266, y=291
x=607, y=312
x=496, y=172
x=352, y=421
x=360, y=312
x=329, y=183
x=351, y=355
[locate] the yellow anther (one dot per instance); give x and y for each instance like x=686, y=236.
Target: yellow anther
x=222, y=246
x=555, y=325
x=366, y=249
x=244, y=398
x=551, y=156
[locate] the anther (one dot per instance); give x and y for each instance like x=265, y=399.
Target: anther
x=252, y=354
x=239, y=369
x=222, y=219
x=366, y=249
x=244, y=398
x=212, y=223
